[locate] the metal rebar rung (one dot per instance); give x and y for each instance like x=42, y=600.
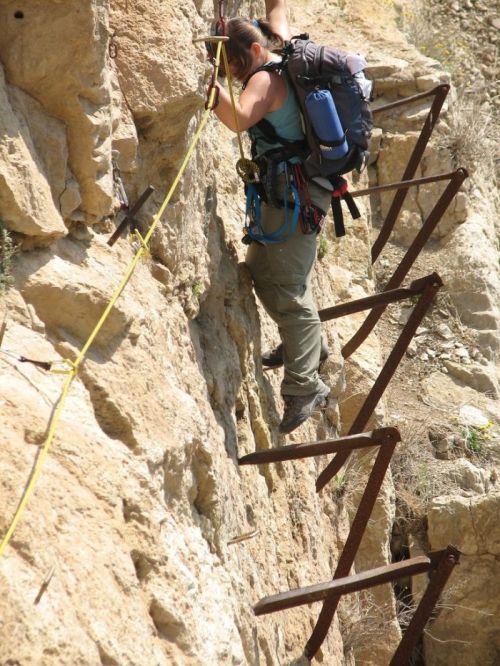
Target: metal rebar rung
x=311, y=449
x=440, y=92
x=443, y=88
x=431, y=284
x=341, y=586
x=443, y=563
x=368, y=302
x=403, y=184
x=409, y=258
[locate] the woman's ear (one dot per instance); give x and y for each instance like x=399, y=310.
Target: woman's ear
x=256, y=50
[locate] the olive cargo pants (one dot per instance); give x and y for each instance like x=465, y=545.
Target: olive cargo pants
x=281, y=274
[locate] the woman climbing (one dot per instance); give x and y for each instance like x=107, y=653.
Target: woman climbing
x=281, y=256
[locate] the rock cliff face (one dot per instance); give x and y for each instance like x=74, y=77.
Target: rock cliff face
x=127, y=551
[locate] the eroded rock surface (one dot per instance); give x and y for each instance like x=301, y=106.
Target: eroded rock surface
x=133, y=522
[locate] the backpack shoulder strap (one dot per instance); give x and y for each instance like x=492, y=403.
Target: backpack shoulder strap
x=268, y=67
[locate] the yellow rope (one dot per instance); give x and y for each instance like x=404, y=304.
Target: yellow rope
x=54, y=422
x=74, y=365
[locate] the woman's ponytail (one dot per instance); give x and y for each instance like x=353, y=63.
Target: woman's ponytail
x=242, y=34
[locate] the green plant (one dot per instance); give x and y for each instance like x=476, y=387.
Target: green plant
x=197, y=289
x=322, y=247
x=476, y=438
x=473, y=441
x=7, y=251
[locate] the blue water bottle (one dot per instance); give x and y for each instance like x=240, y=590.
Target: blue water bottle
x=326, y=124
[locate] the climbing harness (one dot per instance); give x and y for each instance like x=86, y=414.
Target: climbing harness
x=253, y=224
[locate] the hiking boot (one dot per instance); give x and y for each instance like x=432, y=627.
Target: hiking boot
x=274, y=357
x=298, y=408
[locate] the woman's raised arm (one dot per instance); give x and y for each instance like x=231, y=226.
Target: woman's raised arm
x=276, y=15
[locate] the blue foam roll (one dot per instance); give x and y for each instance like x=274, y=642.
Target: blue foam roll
x=326, y=123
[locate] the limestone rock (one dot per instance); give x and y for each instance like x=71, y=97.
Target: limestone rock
x=26, y=204
x=141, y=494
x=475, y=375
x=71, y=82
x=470, y=524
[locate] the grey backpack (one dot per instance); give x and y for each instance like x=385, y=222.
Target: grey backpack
x=310, y=68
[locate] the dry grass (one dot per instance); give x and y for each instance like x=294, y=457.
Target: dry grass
x=474, y=134
x=418, y=479
x=352, y=478
x=362, y=621
x=420, y=23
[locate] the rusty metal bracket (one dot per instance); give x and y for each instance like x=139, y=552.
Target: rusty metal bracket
x=439, y=565
x=386, y=439
x=443, y=563
x=353, y=541
x=428, y=287
x=456, y=180
x=439, y=93
x=129, y=219
x=368, y=302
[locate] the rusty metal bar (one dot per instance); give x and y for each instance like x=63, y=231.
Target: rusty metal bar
x=433, y=283
x=351, y=545
x=128, y=220
x=408, y=100
x=440, y=93
x=408, y=260
x=368, y=302
x=446, y=563
x=341, y=586
x=311, y=449
x=403, y=184
x=44, y=585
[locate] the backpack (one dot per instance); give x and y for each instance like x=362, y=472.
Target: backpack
x=331, y=100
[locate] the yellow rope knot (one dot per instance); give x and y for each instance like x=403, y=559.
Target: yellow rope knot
x=136, y=237
x=71, y=367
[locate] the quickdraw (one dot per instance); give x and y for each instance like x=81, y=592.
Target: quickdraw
x=220, y=26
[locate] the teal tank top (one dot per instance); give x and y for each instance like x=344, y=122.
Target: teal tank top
x=286, y=121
